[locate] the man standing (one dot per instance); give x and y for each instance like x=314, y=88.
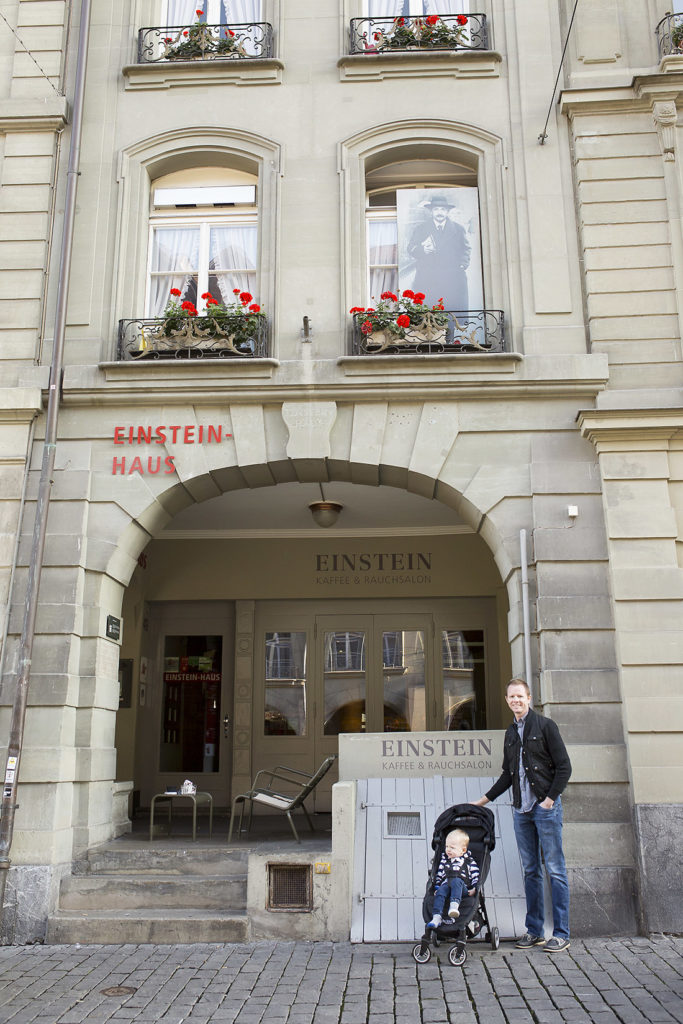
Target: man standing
x=537, y=766
x=441, y=253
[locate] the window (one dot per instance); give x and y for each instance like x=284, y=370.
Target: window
x=214, y=12
x=422, y=219
x=203, y=237
x=414, y=8
x=285, y=675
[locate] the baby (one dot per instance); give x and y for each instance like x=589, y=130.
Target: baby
x=457, y=874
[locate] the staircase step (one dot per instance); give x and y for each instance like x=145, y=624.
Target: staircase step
x=150, y=890
x=190, y=860
x=140, y=926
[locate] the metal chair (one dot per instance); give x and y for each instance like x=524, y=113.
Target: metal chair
x=267, y=794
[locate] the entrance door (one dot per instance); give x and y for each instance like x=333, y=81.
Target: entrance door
x=381, y=667
x=185, y=730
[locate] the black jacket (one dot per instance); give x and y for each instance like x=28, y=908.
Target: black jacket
x=544, y=757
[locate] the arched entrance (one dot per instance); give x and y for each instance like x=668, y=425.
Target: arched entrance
x=255, y=637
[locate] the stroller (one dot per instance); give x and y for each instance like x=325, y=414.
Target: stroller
x=478, y=822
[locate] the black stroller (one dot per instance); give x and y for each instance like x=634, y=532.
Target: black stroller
x=479, y=823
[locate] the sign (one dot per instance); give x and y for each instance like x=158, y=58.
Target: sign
x=368, y=567
x=113, y=631
x=400, y=755
x=163, y=435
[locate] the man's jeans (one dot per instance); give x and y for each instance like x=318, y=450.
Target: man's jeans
x=538, y=830
x=451, y=889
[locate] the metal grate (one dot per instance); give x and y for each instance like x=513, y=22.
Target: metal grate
x=403, y=823
x=290, y=887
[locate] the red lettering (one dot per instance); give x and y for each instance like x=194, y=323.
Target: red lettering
x=119, y=465
x=136, y=466
x=200, y=434
x=131, y=435
x=188, y=435
x=160, y=435
x=215, y=434
x=174, y=433
x=144, y=435
x=153, y=464
x=169, y=463
x=118, y=435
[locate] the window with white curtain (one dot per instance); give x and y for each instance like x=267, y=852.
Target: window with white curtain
x=214, y=12
x=414, y=8
x=203, y=238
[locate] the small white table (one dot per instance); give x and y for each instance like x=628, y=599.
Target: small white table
x=196, y=798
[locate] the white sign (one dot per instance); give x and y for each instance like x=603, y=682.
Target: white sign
x=420, y=754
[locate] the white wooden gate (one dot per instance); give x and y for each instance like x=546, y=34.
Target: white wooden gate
x=394, y=824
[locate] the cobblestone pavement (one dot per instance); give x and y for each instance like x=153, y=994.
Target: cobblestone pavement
x=610, y=981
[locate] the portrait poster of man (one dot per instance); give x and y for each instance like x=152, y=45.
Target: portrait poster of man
x=439, y=246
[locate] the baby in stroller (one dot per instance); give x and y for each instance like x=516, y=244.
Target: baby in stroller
x=457, y=875
x=471, y=918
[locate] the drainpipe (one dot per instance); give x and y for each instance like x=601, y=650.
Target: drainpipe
x=16, y=735
x=525, y=607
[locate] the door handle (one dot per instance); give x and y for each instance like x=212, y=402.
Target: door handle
x=226, y=726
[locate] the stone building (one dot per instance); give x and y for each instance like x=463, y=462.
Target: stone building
x=194, y=619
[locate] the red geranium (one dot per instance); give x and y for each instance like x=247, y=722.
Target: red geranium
x=207, y=295
x=230, y=32
x=403, y=320
x=235, y=291
x=408, y=294
x=185, y=33
x=245, y=297
x=419, y=298
x=462, y=19
x=254, y=308
x=366, y=327
x=176, y=291
x=168, y=39
x=199, y=13
x=401, y=21
x=211, y=301
x=389, y=295
x=432, y=19
x=188, y=306
x=357, y=309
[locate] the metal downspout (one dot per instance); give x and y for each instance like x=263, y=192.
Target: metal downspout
x=16, y=735
x=525, y=606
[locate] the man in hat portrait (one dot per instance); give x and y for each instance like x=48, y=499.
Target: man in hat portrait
x=441, y=253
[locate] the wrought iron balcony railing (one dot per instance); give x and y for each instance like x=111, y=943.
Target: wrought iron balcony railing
x=670, y=35
x=448, y=332
x=194, y=338
x=426, y=32
x=246, y=41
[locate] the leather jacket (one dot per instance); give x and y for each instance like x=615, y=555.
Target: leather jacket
x=544, y=757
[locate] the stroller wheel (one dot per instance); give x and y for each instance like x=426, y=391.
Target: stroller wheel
x=494, y=938
x=422, y=954
x=457, y=954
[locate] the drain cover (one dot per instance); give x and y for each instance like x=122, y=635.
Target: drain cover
x=118, y=990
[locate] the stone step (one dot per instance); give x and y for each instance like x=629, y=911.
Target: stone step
x=139, y=926
x=115, y=891
x=113, y=858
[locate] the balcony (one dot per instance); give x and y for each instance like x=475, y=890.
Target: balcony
x=425, y=33
x=202, y=337
x=202, y=42
x=448, y=332
x=670, y=35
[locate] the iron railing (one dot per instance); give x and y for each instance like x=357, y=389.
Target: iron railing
x=448, y=332
x=670, y=35
x=193, y=338
x=426, y=32
x=246, y=41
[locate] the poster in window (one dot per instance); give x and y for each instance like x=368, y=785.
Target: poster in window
x=439, y=246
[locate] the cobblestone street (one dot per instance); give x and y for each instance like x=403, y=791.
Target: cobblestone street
x=610, y=981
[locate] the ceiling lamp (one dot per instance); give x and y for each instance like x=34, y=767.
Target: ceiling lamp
x=325, y=513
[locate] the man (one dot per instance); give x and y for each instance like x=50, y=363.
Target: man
x=537, y=766
x=441, y=253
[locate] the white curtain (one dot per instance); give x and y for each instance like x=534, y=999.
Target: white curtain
x=447, y=6
x=232, y=259
x=182, y=12
x=175, y=262
x=241, y=11
x=382, y=257
x=385, y=8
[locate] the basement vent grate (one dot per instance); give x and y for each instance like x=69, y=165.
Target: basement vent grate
x=290, y=887
x=403, y=823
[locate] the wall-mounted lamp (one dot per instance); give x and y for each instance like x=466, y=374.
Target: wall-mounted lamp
x=325, y=513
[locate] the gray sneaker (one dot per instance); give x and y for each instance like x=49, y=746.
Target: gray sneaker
x=556, y=945
x=527, y=941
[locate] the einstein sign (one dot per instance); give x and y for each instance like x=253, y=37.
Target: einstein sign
x=420, y=754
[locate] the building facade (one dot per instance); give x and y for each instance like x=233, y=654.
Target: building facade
x=194, y=619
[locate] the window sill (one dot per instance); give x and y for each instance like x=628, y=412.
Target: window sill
x=169, y=74
x=162, y=371
x=463, y=365
x=370, y=67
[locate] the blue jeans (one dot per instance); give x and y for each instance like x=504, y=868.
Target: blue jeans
x=541, y=830
x=451, y=889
